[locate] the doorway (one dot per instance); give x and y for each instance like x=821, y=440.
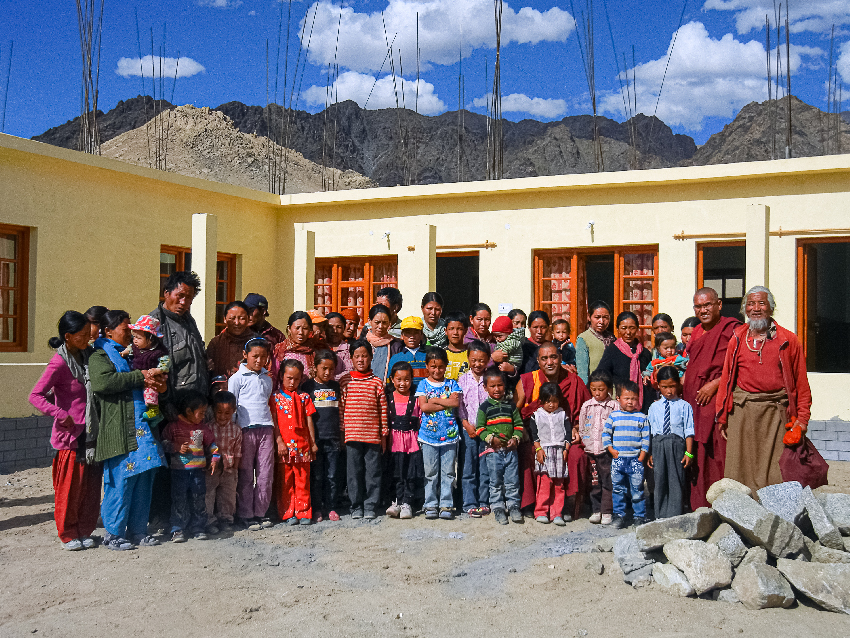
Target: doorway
x=723, y=267
x=599, y=278
x=457, y=281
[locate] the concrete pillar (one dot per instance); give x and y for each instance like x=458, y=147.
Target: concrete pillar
x=204, y=258
x=758, y=242
x=304, y=269
x=417, y=268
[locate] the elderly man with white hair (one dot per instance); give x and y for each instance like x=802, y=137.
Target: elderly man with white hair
x=763, y=387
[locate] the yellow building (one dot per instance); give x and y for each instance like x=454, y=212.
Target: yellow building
x=78, y=230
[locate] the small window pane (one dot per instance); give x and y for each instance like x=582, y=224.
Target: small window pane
x=734, y=288
x=221, y=292
x=8, y=246
x=7, y=329
x=187, y=261
x=716, y=284
x=221, y=269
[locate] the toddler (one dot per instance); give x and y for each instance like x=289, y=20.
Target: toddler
x=665, y=345
x=190, y=440
x=626, y=437
x=456, y=326
x=561, y=339
x=324, y=470
x=404, y=415
x=591, y=422
x=221, y=487
x=413, y=353
x=508, y=340
x=252, y=387
x=671, y=422
x=474, y=477
x=438, y=434
x=296, y=445
x=500, y=426
x=148, y=351
x=549, y=428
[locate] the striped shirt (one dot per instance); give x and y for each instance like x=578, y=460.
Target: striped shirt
x=200, y=440
x=500, y=419
x=362, y=408
x=626, y=432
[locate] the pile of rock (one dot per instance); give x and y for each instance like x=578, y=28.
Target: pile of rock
x=745, y=551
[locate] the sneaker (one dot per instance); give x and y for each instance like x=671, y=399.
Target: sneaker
x=305, y=521
x=618, y=522
x=357, y=512
x=369, y=515
x=484, y=510
x=73, y=545
x=542, y=519
x=333, y=516
x=606, y=519
x=213, y=529
x=501, y=517
x=178, y=537
x=89, y=542
x=266, y=523
x=559, y=521
x=431, y=513
x=117, y=543
x=292, y=522
x=446, y=513
x=200, y=536
x=146, y=541
x=516, y=515
x=254, y=525
x=639, y=520
x=406, y=511
x=567, y=517
x=595, y=518
x=473, y=512
x=394, y=510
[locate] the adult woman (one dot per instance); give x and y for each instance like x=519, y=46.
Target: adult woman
x=226, y=350
x=76, y=484
x=94, y=315
x=125, y=444
x=297, y=345
x=432, y=314
x=479, y=324
x=661, y=322
x=624, y=359
x=352, y=323
x=518, y=318
x=591, y=344
x=338, y=344
x=538, y=333
x=384, y=345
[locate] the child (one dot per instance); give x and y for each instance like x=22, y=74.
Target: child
x=456, y=327
x=474, y=477
x=561, y=338
x=404, y=415
x=665, y=345
x=252, y=387
x=413, y=353
x=363, y=422
x=626, y=437
x=438, y=434
x=671, y=422
x=295, y=439
x=324, y=471
x=591, y=422
x=548, y=428
x=508, y=340
x=499, y=425
x=189, y=440
x=221, y=487
x=149, y=352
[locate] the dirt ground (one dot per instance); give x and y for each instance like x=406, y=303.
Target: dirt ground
x=387, y=577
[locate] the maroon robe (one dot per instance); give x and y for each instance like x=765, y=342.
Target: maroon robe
x=707, y=351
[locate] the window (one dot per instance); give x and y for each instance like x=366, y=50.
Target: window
x=823, y=303
x=565, y=281
x=342, y=283
x=171, y=260
x=723, y=266
x=14, y=280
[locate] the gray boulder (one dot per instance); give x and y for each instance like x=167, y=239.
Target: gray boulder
x=628, y=554
x=755, y=555
x=639, y=577
x=827, y=533
x=783, y=499
x=725, y=596
x=704, y=565
x=729, y=542
x=762, y=586
x=828, y=555
x=826, y=584
x=605, y=544
x=760, y=527
x=671, y=580
x=837, y=507
x=718, y=487
x=658, y=533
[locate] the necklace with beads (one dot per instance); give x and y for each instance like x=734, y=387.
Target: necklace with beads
x=756, y=348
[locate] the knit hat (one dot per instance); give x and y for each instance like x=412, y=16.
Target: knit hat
x=316, y=316
x=502, y=324
x=412, y=323
x=253, y=300
x=148, y=324
x=350, y=314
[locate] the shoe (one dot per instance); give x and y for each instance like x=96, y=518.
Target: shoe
x=595, y=518
x=369, y=515
x=501, y=517
x=117, y=543
x=146, y=541
x=266, y=523
x=178, y=537
x=446, y=513
x=254, y=525
x=394, y=510
x=319, y=518
x=406, y=511
x=73, y=545
x=333, y=516
x=484, y=510
x=356, y=513
x=567, y=517
x=305, y=521
x=431, y=513
x=528, y=512
x=226, y=527
x=473, y=512
x=559, y=521
x=542, y=519
x=638, y=521
x=618, y=522
x=516, y=515
x=213, y=530
x=292, y=522
x=89, y=542
x=200, y=536
x=606, y=519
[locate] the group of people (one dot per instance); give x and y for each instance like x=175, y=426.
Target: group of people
x=440, y=413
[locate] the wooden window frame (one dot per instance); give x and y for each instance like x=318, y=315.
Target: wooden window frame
x=701, y=246
x=230, y=282
x=180, y=253
x=368, y=282
x=21, y=289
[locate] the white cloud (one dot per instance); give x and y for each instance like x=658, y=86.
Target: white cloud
x=520, y=103
x=351, y=85
x=150, y=66
x=810, y=15
x=706, y=78
x=443, y=24
x=843, y=64
x=219, y=4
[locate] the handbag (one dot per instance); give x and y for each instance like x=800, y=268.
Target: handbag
x=804, y=464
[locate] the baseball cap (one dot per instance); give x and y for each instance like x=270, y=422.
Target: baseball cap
x=412, y=323
x=253, y=300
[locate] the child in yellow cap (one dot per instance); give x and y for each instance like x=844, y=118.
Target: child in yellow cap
x=413, y=353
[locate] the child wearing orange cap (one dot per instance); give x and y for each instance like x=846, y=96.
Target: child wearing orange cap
x=508, y=340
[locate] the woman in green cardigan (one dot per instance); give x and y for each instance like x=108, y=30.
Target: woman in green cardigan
x=591, y=344
x=125, y=443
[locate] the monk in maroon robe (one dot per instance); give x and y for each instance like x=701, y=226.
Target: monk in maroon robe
x=575, y=393
x=707, y=351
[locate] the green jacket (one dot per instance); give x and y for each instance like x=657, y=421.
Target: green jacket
x=114, y=397
x=499, y=419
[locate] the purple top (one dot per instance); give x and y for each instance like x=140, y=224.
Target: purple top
x=69, y=399
x=149, y=358
x=343, y=360
x=471, y=335
x=473, y=396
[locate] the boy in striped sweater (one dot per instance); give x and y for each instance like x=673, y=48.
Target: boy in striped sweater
x=626, y=437
x=364, y=427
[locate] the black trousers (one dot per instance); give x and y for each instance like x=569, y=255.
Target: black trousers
x=364, y=475
x=325, y=476
x=601, y=490
x=667, y=453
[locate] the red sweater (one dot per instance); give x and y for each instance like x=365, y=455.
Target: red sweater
x=362, y=408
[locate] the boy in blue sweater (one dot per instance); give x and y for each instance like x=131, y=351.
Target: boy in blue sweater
x=626, y=437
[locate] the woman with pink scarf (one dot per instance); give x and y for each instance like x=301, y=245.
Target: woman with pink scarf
x=626, y=357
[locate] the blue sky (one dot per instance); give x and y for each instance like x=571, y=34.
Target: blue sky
x=718, y=63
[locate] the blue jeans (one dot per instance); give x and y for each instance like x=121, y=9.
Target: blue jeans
x=188, y=501
x=126, y=500
x=627, y=476
x=439, y=463
x=474, y=476
x=503, y=467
